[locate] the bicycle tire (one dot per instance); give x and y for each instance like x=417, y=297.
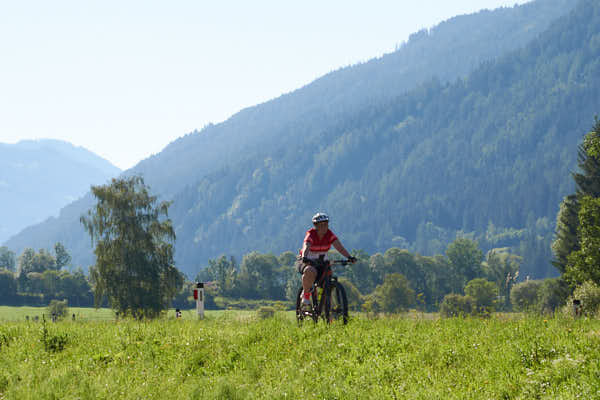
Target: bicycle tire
x=336, y=304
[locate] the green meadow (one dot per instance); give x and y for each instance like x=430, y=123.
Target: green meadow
x=15, y=314
x=237, y=355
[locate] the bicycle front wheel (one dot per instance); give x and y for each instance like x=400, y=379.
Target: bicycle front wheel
x=336, y=304
x=302, y=314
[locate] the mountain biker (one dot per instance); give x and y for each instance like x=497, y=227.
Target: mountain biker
x=317, y=242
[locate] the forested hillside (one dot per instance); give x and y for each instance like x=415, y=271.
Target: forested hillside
x=407, y=150
x=39, y=177
x=449, y=50
x=489, y=154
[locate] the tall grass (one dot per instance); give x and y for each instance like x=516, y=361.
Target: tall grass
x=237, y=355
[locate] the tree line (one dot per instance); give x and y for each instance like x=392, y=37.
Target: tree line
x=36, y=278
x=391, y=281
x=135, y=274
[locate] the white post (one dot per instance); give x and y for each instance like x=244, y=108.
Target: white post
x=199, y=296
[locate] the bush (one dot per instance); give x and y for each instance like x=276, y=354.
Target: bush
x=589, y=295
x=371, y=306
x=484, y=292
x=227, y=303
x=394, y=294
x=53, y=343
x=266, y=312
x=456, y=305
x=524, y=295
x=58, y=308
x=552, y=294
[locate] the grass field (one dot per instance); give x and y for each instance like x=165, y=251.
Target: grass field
x=16, y=314
x=235, y=355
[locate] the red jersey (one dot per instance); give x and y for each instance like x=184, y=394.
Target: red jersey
x=319, y=245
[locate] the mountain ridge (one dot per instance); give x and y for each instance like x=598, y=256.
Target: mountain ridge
x=337, y=91
x=34, y=183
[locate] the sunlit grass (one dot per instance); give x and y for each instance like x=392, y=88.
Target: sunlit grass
x=238, y=355
x=17, y=314
x=81, y=313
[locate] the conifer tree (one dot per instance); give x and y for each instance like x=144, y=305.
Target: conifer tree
x=570, y=227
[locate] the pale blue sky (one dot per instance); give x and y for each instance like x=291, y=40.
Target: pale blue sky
x=125, y=78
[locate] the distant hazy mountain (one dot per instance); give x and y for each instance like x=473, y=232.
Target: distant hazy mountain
x=471, y=126
x=39, y=177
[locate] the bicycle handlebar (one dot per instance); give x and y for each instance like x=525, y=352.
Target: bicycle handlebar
x=340, y=262
x=332, y=262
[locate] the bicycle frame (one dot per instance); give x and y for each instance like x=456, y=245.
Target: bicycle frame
x=325, y=283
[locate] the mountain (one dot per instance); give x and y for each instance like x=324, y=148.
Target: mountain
x=449, y=50
x=469, y=128
x=39, y=177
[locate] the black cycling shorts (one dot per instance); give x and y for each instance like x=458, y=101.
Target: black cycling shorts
x=301, y=267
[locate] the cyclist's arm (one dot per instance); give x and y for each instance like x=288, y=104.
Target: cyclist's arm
x=305, y=249
x=341, y=249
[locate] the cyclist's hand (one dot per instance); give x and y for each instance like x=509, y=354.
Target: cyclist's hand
x=352, y=259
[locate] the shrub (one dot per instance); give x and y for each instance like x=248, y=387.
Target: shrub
x=524, y=295
x=394, y=294
x=589, y=295
x=456, y=305
x=484, y=292
x=53, y=343
x=371, y=305
x=58, y=308
x=56, y=343
x=227, y=303
x=552, y=294
x=266, y=312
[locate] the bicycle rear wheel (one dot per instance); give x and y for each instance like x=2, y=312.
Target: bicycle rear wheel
x=336, y=304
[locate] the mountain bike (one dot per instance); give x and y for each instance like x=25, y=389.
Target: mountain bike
x=328, y=296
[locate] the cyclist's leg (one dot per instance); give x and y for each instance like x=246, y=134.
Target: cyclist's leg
x=308, y=278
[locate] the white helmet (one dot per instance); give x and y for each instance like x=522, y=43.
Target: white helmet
x=319, y=217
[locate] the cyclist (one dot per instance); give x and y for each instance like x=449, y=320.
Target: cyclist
x=317, y=242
